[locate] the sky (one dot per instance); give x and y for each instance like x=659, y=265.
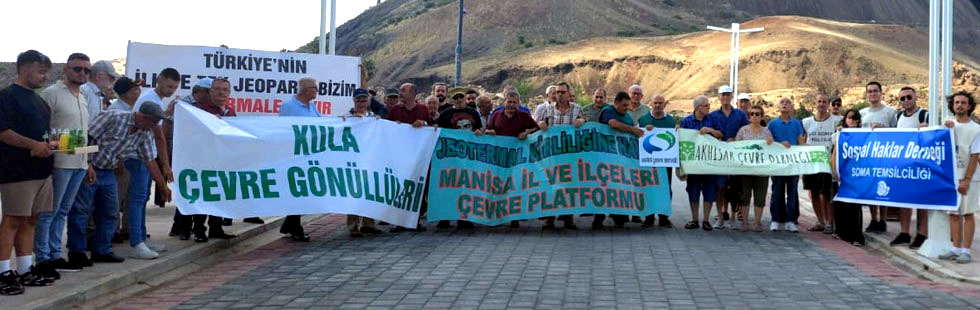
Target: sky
x=101, y=28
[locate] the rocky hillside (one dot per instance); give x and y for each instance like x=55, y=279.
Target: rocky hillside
x=402, y=38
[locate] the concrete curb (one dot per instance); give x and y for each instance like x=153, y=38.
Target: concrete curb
x=917, y=263
x=146, y=277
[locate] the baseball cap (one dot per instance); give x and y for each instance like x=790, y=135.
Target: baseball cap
x=105, y=66
x=124, y=85
x=744, y=96
x=152, y=109
x=391, y=92
x=724, y=89
x=457, y=95
x=361, y=92
x=204, y=83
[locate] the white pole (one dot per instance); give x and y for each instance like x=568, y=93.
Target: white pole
x=938, y=242
x=738, y=36
x=323, y=26
x=947, y=48
x=333, y=27
x=731, y=55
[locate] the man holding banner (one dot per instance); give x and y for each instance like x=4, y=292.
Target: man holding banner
x=299, y=105
x=618, y=118
x=705, y=185
x=966, y=132
x=785, y=204
x=911, y=116
x=819, y=128
x=878, y=115
x=511, y=122
x=560, y=112
x=658, y=118
x=731, y=120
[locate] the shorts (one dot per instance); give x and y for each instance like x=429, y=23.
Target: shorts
x=968, y=202
x=26, y=198
x=819, y=183
x=701, y=185
x=722, y=180
x=755, y=186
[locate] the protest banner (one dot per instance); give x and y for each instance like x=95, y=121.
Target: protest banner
x=240, y=167
x=260, y=80
x=898, y=167
x=492, y=180
x=658, y=148
x=703, y=154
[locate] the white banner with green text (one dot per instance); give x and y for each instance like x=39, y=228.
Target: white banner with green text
x=703, y=154
x=240, y=167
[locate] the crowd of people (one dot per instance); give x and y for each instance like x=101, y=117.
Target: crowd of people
x=43, y=188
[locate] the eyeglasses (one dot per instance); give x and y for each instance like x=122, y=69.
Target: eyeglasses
x=835, y=104
x=80, y=69
x=560, y=92
x=755, y=113
x=905, y=98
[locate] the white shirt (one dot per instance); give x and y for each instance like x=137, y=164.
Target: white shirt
x=93, y=95
x=820, y=132
x=966, y=144
x=884, y=117
x=150, y=96
x=68, y=112
x=910, y=121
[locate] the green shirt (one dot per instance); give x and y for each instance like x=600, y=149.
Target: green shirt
x=666, y=122
x=609, y=113
x=591, y=114
x=640, y=111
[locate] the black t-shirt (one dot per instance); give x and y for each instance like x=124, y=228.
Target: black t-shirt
x=465, y=118
x=445, y=106
x=24, y=112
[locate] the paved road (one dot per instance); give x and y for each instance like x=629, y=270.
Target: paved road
x=498, y=268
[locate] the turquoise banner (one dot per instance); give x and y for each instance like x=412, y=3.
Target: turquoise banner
x=492, y=180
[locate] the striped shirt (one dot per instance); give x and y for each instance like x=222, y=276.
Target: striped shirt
x=548, y=113
x=115, y=133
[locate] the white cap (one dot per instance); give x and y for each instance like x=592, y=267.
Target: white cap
x=744, y=96
x=724, y=89
x=204, y=83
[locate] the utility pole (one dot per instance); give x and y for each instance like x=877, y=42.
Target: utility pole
x=736, y=32
x=333, y=27
x=323, y=27
x=459, y=45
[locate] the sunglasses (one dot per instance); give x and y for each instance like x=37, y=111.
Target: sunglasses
x=835, y=104
x=560, y=92
x=905, y=98
x=755, y=113
x=80, y=69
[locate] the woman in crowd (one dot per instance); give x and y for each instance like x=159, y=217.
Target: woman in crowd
x=847, y=216
x=754, y=184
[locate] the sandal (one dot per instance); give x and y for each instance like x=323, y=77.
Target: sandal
x=758, y=227
x=706, y=226
x=817, y=227
x=691, y=225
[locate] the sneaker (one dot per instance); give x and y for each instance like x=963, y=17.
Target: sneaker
x=443, y=225
x=917, y=243
x=142, y=251
x=107, y=258
x=79, y=259
x=46, y=270
x=719, y=224
x=791, y=227
x=828, y=230
x=774, y=226
x=665, y=223
x=731, y=225
x=64, y=266
x=882, y=227
x=34, y=278
x=156, y=247
x=902, y=238
x=964, y=258
x=9, y=284
x=872, y=227
x=950, y=255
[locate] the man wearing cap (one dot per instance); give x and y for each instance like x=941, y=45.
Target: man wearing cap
x=359, y=225
x=69, y=111
x=731, y=121
x=460, y=116
x=213, y=101
x=835, y=106
x=744, y=102
x=658, y=118
x=391, y=99
x=25, y=171
x=457, y=97
x=98, y=90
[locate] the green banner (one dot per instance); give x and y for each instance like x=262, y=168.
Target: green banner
x=493, y=180
x=703, y=154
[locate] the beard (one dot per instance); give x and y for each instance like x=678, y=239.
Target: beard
x=442, y=98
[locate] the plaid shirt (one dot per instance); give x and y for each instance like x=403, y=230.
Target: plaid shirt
x=115, y=133
x=549, y=114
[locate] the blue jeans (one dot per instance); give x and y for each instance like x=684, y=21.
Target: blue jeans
x=101, y=201
x=785, y=204
x=50, y=225
x=139, y=186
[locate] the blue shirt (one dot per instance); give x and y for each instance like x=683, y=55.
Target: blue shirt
x=789, y=131
x=293, y=107
x=519, y=107
x=609, y=113
x=732, y=123
x=709, y=121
